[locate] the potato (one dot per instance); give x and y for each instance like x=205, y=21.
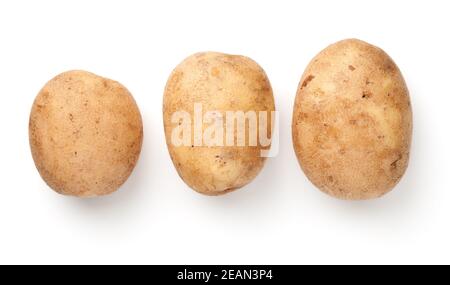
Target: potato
x=352, y=121
x=218, y=83
x=85, y=134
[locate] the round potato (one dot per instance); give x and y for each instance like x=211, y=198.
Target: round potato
x=85, y=134
x=213, y=90
x=352, y=121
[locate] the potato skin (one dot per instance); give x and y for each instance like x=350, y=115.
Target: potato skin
x=85, y=134
x=220, y=82
x=352, y=121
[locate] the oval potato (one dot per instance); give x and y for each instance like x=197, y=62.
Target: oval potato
x=219, y=83
x=352, y=121
x=85, y=134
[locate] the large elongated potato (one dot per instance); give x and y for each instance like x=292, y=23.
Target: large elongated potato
x=217, y=83
x=352, y=121
x=85, y=134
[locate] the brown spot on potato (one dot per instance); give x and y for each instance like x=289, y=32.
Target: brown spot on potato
x=394, y=163
x=366, y=94
x=215, y=72
x=307, y=80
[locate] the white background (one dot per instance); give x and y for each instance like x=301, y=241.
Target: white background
x=280, y=218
